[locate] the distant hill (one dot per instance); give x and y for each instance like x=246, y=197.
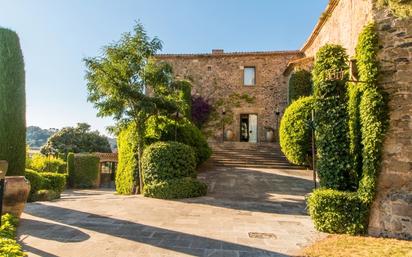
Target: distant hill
x=36, y=137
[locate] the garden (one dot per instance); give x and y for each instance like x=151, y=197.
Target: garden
x=347, y=113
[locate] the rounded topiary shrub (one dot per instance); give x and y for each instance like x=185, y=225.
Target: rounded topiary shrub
x=167, y=160
x=295, y=131
x=161, y=128
x=176, y=189
x=36, y=182
x=12, y=103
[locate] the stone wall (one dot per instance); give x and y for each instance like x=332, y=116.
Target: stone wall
x=340, y=24
x=391, y=213
x=218, y=75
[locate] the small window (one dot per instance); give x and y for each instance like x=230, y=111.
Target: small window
x=249, y=76
x=209, y=68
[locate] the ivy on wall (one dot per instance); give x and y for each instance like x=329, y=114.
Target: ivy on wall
x=401, y=8
x=300, y=84
x=336, y=211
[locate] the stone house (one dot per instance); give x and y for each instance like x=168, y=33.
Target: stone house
x=264, y=75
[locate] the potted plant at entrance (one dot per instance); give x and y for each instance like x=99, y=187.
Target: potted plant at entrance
x=230, y=135
x=269, y=134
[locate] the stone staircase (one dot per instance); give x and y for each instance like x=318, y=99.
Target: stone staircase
x=240, y=154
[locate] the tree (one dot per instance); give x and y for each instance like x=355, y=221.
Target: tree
x=79, y=139
x=127, y=83
x=12, y=103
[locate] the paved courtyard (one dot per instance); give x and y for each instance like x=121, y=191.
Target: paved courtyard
x=247, y=212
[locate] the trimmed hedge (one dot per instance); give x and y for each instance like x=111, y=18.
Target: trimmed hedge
x=335, y=211
x=44, y=163
x=176, y=189
x=300, y=84
x=127, y=168
x=40, y=181
x=83, y=170
x=295, y=132
x=331, y=119
x=12, y=103
x=8, y=245
x=167, y=160
x=162, y=128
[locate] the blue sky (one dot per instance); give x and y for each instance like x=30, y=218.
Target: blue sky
x=56, y=36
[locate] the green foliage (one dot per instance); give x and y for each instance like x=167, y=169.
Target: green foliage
x=331, y=118
x=70, y=163
x=184, y=97
x=77, y=139
x=338, y=212
x=45, y=195
x=354, y=99
x=43, y=163
x=12, y=103
x=295, y=132
x=85, y=172
x=54, y=181
x=128, y=160
x=162, y=128
x=176, y=189
x=36, y=182
x=117, y=83
x=8, y=245
x=329, y=59
x=167, y=160
x=401, y=8
x=300, y=84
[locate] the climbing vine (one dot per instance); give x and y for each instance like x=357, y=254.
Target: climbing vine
x=401, y=8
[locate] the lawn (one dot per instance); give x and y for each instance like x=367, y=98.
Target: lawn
x=357, y=246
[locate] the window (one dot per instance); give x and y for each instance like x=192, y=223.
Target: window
x=249, y=76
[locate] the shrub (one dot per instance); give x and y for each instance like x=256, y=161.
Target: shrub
x=295, y=132
x=126, y=174
x=13, y=103
x=300, y=84
x=201, y=110
x=167, y=160
x=176, y=189
x=43, y=163
x=85, y=171
x=335, y=211
x=54, y=181
x=184, y=98
x=161, y=128
x=45, y=195
x=8, y=245
x=331, y=119
x=36, y=182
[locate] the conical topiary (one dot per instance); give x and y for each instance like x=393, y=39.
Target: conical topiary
x=12, y=103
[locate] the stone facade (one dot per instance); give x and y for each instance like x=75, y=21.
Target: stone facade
x=392, y=210
x=218, y=75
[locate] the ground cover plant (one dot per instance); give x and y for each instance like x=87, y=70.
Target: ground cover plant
x=8, y=244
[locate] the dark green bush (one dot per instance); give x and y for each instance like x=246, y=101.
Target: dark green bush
x=13, y=103
x=85, y=171
x=300, y=84
x=8, y=245
x=331, y=119
x=126, y=173
x=161, y=128
x=36, y=182
x=167, y=160
x=54, y=181
x=44, y=163
x=176, y=189
x=295, y=132
x=338, y=212
x=355, y=137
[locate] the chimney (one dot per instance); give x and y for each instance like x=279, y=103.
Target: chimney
x=217, y=51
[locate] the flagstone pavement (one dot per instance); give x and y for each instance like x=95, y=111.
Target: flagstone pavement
x=247, y=212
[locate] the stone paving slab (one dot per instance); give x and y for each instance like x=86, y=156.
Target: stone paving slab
x=241, y=203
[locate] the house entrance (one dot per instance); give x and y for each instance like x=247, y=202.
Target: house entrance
x=248, y=128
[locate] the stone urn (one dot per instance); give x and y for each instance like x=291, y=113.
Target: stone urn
x=269, y=135
x=230, y=135
x=16, y=192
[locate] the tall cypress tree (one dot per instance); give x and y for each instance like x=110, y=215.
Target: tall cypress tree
x=12, y=103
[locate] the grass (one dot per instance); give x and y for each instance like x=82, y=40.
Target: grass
x=358, y=246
